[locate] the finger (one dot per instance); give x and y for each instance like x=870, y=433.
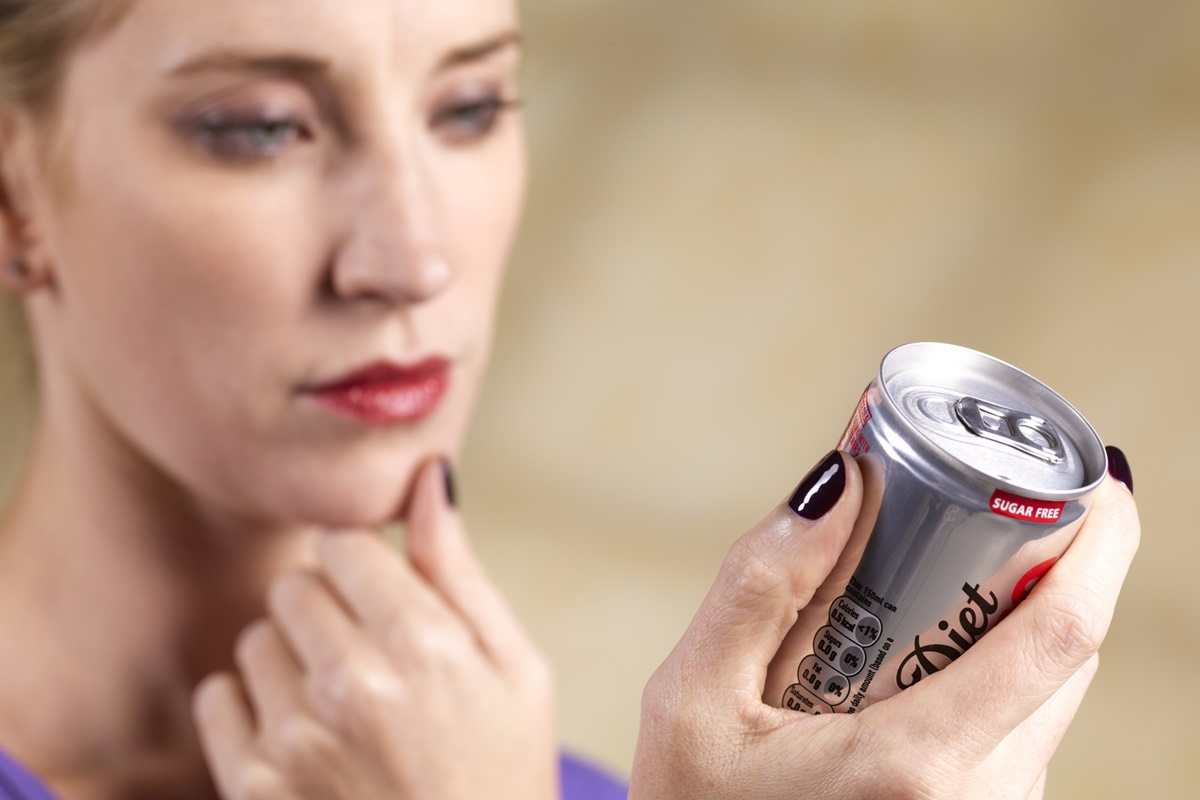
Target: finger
x=1032, y=743
x=770, y=573
x=1039, y=734
x=440, y=551
x=314, y=625
x=399, y=609
x=272, y=677
x=226, y=732
x=1039, y=787
x=1019, y=665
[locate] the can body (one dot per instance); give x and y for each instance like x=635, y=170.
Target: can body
x=976, y=478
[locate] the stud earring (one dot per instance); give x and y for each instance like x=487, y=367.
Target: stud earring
x=17, y=270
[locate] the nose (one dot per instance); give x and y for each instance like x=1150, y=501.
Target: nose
x=395, y=250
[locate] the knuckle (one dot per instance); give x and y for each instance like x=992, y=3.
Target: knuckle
x=426, y=646
x=750, y=570
x=1072, y=631
x=660, y=706
x=353, y=696
x=338, y=682
x=672, y=719
x=299, y=743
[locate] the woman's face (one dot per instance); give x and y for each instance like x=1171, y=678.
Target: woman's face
x=276, y=231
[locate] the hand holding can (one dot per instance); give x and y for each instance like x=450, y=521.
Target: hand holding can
x=980, y=477
x=985, y=727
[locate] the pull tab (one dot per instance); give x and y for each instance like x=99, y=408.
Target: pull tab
x=1031, y=435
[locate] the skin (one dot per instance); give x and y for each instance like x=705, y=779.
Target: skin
x=248, y=230
x=190, y=570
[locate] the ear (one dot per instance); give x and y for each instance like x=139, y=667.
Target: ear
x=23, y=262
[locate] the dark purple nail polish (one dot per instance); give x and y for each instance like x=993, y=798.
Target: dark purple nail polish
x=821, y=489
x=1118, y=467
x=448, y=482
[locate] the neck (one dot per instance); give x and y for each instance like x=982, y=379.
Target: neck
x=119, y=593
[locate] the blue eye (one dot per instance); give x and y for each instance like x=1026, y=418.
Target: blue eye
x=465, y=122
x=249, y=140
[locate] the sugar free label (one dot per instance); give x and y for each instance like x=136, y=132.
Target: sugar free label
x=1026, y=509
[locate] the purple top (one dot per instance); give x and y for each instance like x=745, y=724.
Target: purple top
x=580, y=781
x=17, y=783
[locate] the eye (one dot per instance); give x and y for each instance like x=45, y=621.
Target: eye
x=470, y=120
x=250, y=139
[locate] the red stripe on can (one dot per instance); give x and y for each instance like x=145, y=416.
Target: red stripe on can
x=1029, y=580
x=1026, y=509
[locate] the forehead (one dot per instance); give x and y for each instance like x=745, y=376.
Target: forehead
x=398, y=33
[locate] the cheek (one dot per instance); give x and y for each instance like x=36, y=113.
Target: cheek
x=181, y=298
x=484, y=206
x=197, y=279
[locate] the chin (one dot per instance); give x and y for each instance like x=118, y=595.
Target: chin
x=331, y=482
x=361, y=498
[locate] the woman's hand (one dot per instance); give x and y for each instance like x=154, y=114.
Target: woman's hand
x=380, y=677
x=985, y=727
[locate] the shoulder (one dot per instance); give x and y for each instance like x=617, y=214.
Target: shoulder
x=583, y=781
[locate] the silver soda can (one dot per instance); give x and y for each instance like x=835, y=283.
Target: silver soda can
x=976, y=478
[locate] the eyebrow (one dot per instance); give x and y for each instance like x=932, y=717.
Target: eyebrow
x=480, y=50
x=237, y=61
x=240, y=61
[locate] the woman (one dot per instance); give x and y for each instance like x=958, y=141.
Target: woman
x=258, y=245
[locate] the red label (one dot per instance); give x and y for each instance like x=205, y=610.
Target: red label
x=1029, y=580
x=1026, y=509
x=853, y=439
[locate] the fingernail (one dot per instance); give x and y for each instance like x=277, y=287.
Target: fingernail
x=448, y=482
x=1118, y=467
x=820, y=489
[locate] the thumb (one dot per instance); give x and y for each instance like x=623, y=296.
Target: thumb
x=769, y=575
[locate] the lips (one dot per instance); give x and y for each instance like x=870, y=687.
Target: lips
x=385, y=393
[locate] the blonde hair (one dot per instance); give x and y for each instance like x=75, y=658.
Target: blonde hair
x=35, y=38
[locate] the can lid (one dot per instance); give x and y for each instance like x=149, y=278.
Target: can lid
x=978, y=411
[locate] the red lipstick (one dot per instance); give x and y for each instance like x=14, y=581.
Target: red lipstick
x=385, y=393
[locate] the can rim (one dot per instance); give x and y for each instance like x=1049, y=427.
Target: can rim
x=1096, y=451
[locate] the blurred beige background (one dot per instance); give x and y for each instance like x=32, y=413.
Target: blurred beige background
x=738, y=207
